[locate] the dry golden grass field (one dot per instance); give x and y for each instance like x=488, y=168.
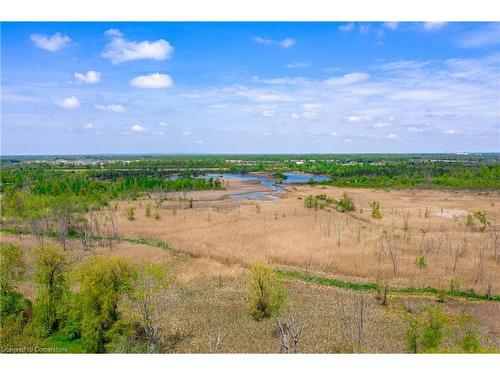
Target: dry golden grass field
x=217, y=238
x=350, y=246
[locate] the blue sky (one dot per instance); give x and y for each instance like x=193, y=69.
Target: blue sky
x=120, y=87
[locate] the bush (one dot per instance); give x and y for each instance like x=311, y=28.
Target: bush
x=130, y=212
x=346, y=204
x=265, y=291
x=425, y=333
x=468, y=340
x=12, y=266
x=376, y=214
x=421, y=262
x=434, y=330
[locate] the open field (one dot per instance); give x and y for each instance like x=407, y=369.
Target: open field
x=350, y=246
x=357, y=280
x=211, y=298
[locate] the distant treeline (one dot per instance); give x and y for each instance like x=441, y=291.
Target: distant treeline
x=456, y=171
x=89, y=188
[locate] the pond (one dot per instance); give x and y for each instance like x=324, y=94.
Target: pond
x=291, y=178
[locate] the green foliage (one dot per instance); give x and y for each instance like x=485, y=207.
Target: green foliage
x=434, y=329
x=102, y=283
x=130, y=212
x=468, y=340
x=425, y=333
x=421, y=262
x=482, y=217
x=376, y=214
x=50, y=277
x=12, y=267
x=265, y=292
x=454, y=284
x=12, y=271
x=346, y=204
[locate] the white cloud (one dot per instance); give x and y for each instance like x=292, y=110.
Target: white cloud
x=120, y=50
x=117, y=108
x=432, y=26
x=285, y=43
x=69, y=103
x=90, y=77
x=450, y=131
x=311, y=106
x=364, y=29
x=297, y=64
x=379, y=125
x=391, y=25
x=347, y=79
x=162, y=124
x=295, y=116
x=138, y=129
x=152, y=81
x=260, y=40
x=186, y=133
x=88, y=126
x=158, y=132
x=392, y=136
x=310, y=115
x=488, y=35
x=268, y=113
x=50, y=43
x=347, y=27
x=357, y=118
x=414, y=129
x=199, y=141
x=263, y=96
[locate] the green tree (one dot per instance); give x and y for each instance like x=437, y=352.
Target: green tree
x=12, y=271
x=50, y=276
x=266, y=293
x=12, y=266
x=103, y=281
x=468, y=341
x=150, y=296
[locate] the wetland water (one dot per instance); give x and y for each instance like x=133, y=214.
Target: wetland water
x=275, y=185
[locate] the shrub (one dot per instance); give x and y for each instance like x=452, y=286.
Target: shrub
x=421, y=262
x=434, y=330
x=130, y=212
x=148, y=210
x=12, y=267
x=265, y=291
x=157, y=216
x=481, y=216
x=468, y=340
x=376, y=214
x=425, y=333
x=346, y=204
x=455, y=284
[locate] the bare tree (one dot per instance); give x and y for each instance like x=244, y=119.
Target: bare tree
x=151, y=296
x=460, y=252
x=389, y=247
x=214, y=333
x=288, y=333
x=352, y=319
